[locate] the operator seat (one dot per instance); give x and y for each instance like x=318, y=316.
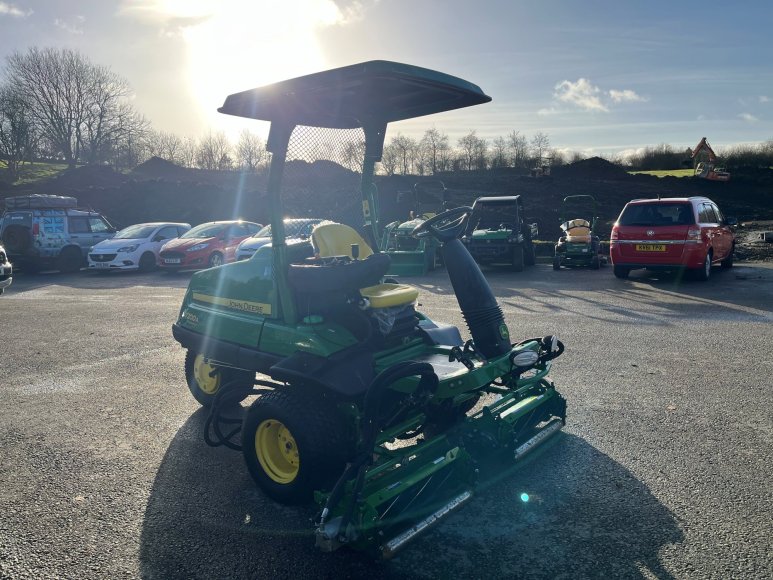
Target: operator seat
x=577, y=230
x=334, y=240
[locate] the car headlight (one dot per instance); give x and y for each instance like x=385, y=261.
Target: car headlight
x=197, y=247
x=128, y=249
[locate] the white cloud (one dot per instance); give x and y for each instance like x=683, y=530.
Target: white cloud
x=581, y=94
x=12, y=10
x=548, y=111
x=748, y=117
x=764, y=99
x=626, y=95
x=74, y=25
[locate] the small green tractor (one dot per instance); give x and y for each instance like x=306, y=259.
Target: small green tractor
x=578, y=246
x=411, y=256
x=387, y=419
x=497, y=232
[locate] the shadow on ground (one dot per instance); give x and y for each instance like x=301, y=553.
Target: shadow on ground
x=587, y=516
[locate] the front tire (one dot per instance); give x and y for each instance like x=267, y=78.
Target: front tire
x=294, y=443
x=205, y=379
x=147, y=262
x=216, y=260
x=517, y=259
x=70, y=260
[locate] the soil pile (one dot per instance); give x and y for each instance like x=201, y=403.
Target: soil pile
x=593, y=168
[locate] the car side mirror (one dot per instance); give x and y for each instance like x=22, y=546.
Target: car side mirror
x=731, y=221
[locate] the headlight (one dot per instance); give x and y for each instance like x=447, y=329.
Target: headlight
x=197, y=247
x=129, y=248
x=525, y=359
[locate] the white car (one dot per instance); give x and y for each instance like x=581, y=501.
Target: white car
x=294, y=228
x=135, y=247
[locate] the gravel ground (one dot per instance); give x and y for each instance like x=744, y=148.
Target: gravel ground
x=663, y=471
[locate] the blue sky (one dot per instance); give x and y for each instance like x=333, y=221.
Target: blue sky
x=598, y=77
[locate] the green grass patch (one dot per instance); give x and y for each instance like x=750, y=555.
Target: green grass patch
x=33, y=172
x=666, y=173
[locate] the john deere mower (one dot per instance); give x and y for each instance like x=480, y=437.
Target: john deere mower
x=409, y=255
x=578, y=246
x=386, y=419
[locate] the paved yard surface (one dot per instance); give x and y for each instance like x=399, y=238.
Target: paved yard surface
x=664, y=469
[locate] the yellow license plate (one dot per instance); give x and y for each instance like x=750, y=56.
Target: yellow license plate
x=650, y=247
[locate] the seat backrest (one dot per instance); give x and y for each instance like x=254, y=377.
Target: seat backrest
x=333, y=239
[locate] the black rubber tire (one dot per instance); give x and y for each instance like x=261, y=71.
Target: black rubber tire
x=70, y=260
x=704, y=273
x=621, y=272
x=517, y=259
x=17, y=238
x=226, y=376
x=595, y=262
x=556, y=262
x=147, y=262
x=215, y=260
x=529, y=253
x=320, y=435
x=728, y=262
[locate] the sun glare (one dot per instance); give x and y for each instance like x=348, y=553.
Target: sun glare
x=243, y=44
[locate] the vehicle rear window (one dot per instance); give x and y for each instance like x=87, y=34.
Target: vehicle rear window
x=657, y=214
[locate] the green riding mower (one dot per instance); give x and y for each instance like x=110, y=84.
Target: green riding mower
x=411, y=256
x=386, y=419
x=578, y=246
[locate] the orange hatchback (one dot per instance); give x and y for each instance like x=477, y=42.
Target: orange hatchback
x=672, y=234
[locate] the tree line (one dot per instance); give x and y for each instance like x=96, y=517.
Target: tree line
x=55, y=104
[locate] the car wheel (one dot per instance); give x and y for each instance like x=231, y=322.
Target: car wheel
x=621, y=272
x=530, y=256
x=294, y=443
x=728, y=262
x=70, y=260
x=216, y=260
x=205, y=379
x=702, y=274
x=517, y=259
x=147, y=262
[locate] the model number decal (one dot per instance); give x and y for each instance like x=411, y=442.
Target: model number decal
x=242, y=305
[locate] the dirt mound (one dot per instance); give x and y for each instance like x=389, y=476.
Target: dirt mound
x=593, y=168
x=81, y=178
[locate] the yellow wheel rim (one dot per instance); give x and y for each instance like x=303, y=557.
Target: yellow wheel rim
x=207, y=376
x=277, y=451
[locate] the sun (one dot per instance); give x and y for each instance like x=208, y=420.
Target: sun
x=242, y=44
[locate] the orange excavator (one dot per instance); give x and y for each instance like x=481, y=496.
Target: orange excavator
x=704, y=160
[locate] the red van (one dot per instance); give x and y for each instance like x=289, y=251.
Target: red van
x=671, y=234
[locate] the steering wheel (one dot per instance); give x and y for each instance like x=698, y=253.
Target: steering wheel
x=444, y=226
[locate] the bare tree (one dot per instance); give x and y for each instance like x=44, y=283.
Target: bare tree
x=214, y=152
x=471, y=147
x=188, y=149
x=406, y=152
x=77, y=105
x=251, y=151
x=18, y=134
x=540, y=144
x=499, y=153
x=519, y=150
x=435, y=146
x=390, y=159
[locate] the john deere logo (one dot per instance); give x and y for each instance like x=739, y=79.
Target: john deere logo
x=503, y=332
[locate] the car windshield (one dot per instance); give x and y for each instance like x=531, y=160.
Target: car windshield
x=492, y=216
x=293, y=228
x=137, y=232
x=205, y=231
x=657, y=214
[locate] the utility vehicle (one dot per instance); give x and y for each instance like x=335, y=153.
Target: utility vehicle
x=384, y=417
x=578, y=245
x=411, y=256
x=497, y=232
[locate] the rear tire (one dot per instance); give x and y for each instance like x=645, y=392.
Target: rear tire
x=529, y=254
x=517, y=259
x=147, y=262
x=704, y=273
x=294, y=443
x=70, y=260
x=595, y=262
x=621, y=272
x=557, y=262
